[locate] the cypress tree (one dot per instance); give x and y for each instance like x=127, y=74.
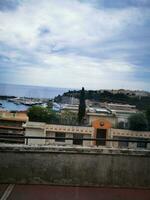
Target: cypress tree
x=82, y=107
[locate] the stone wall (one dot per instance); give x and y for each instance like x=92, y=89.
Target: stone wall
x=82, y=166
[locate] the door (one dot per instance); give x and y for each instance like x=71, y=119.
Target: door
x=101, y=134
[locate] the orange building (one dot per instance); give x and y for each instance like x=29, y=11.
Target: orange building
x=11, y=124
x=101, y=130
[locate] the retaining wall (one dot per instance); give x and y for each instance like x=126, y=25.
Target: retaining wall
x=82, y=166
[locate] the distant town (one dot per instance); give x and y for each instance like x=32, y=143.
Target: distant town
x=105, y=114
x=120, y=95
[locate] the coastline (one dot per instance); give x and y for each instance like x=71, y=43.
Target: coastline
x=39, y=92
x=5, y=97
x=21, y=97
x=12, y=103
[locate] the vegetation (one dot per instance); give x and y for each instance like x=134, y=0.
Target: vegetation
x=82, y=107
x=50, y=104
x=47, y=115
x=138, y=122
x=142, y=103
x=68, y=118
x=147, y=113
x=40, y=114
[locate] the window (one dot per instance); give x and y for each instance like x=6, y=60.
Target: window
x=123, y=144
x=141, y=144
x=77, y=139
x=60, y=137
x=121, y=124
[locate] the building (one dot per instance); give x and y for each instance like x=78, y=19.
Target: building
x=69, y=100
x=11, y=124
x=116, y=114
x=69, y=107
x=58, y=131
x=122, y=113
x=130, y=135
x=99, y=129
x=95, y=113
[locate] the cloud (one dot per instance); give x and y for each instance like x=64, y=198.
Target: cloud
x=79, y=42
x=119, y=3
x=67, y=24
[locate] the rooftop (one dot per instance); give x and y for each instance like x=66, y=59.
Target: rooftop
x=13, y=116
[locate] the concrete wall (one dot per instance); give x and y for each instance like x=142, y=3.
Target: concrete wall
x=74, y=166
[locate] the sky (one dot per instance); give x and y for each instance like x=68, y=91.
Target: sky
x=98, y=44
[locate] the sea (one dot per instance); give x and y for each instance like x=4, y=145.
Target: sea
x=41, y=92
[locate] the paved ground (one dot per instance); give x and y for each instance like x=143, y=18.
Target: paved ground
x=45, y=192
x=2, y=189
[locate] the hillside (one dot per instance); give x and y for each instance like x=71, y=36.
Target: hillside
x=141, y=102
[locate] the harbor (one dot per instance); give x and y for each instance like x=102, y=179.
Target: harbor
x=26, y=101
x=20, y=103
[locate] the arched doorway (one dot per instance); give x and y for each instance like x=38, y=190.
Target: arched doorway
x=101, y=130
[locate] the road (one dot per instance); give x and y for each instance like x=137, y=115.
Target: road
x=46, y=192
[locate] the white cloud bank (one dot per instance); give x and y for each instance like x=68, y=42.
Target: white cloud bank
x=52, y=43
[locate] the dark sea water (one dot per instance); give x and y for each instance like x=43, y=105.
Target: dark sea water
x=26, y=91
x=30, y=91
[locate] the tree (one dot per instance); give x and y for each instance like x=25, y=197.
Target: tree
x=147, y=113
x=40, y=114
x=69, y=118
x=50, y=104
x=138, y=122
x=82, y=107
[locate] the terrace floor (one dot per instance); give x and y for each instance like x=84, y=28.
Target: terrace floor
x=47, y=192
